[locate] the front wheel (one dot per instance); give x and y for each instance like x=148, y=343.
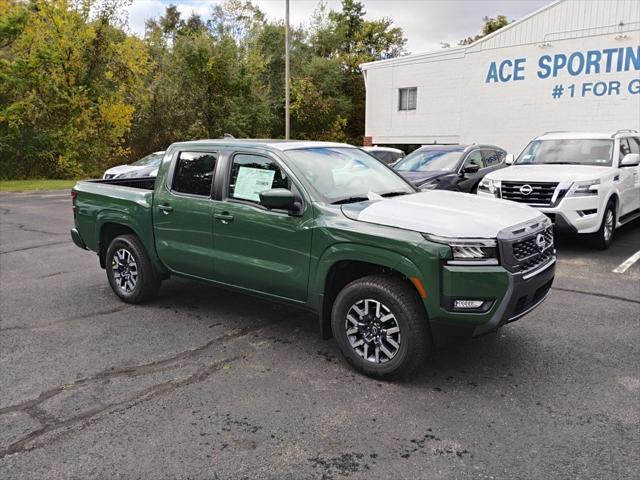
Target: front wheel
x=130, y=272
x=381, y=326
x=604, y=236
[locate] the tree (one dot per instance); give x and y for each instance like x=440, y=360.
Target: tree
x=69, y=77
x=78, y=93
x=490, y=25
x=349, y=38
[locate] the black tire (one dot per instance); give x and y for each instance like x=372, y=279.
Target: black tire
x=603, y=238
x=400, y=299
x=147, y=281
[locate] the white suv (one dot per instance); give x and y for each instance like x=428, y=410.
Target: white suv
x=587, y=183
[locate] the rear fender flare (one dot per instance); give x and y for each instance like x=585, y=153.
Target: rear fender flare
x=143, y=233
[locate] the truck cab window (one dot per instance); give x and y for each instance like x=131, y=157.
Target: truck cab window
x=194, y=173
x=252, y=174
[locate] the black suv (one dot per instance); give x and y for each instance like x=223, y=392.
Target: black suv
x=451, y=167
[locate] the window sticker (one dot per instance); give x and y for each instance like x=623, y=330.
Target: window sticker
x=251, y=181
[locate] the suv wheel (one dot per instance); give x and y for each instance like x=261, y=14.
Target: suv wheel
x=381, y=326
x=604, y=236
x=129, y=270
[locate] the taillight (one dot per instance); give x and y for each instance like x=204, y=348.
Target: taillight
x=74, y=195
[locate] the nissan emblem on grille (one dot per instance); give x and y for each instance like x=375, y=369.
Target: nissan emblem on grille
x=526, y=189
x=541, y=242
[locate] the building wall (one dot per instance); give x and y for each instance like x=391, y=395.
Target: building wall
x=460, y=102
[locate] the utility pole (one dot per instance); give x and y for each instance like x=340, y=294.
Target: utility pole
x=287, y=88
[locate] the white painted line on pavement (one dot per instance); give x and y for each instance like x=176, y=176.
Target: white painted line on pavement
x=624, y=266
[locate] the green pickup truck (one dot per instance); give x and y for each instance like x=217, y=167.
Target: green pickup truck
x=327, y=227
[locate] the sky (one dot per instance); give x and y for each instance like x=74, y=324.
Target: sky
x=426, y=23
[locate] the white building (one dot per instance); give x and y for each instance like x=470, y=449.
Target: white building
x=572, y=65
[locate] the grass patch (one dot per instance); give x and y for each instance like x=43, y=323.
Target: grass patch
x=26, y=185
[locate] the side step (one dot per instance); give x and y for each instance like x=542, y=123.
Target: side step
x=629, y=217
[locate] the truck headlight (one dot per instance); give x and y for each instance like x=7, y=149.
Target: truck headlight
x=583, y=189
x=490, y=186
x=469, y=251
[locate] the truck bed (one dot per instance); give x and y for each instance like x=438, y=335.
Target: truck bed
x=119, y=201
x=145, y=183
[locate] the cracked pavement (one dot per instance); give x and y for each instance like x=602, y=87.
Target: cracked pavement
x=203, y=383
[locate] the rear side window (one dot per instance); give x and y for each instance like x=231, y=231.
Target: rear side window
x=252, y=174
x=194, y=173
x=492, y=157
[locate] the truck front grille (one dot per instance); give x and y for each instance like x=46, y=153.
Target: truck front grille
x=524, y=249
x=530, y=252
x=539, y=194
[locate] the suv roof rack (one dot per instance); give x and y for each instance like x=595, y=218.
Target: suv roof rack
x=553, y=131
x=624, y=130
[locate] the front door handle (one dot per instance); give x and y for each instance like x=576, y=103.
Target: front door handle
x=166, y=209
x=224, y=217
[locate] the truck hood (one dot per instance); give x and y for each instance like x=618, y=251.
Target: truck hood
x=443, y=213
x=549, y=173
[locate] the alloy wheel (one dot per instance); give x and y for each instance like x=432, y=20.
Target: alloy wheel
x=125, y=270
x=373, y=331
x=608, y=225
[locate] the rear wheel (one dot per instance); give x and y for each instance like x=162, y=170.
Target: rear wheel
x=604, y=236
x=130, y=272
x=381, y=326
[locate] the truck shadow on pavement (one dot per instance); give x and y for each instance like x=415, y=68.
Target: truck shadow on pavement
x=212, y=307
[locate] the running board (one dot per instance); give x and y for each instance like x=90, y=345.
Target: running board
x=629, y=217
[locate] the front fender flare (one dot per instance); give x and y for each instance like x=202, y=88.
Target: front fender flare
x=358, y=253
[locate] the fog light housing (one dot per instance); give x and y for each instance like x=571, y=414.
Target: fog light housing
x=467, y=304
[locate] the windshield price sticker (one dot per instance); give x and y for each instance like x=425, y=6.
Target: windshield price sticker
x=252, y=181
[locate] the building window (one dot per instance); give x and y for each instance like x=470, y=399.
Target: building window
x=407, y=98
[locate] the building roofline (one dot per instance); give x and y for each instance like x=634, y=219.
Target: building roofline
x=444, y=51
x=515, y=23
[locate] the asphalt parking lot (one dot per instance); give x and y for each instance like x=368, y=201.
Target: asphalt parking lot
x=204, y=383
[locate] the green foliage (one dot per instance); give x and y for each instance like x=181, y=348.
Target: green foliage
x=78, y=93
x=490, y=25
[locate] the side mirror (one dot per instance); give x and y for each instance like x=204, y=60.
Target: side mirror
x=471, y=168
x=277, y=198
x=630, y=160
x=509, y=159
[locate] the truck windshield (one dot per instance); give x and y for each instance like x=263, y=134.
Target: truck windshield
x=568, y=151
x=344, y=175
x=429, y=160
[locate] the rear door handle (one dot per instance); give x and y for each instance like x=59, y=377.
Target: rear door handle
x=166, y=209
x=224, y=217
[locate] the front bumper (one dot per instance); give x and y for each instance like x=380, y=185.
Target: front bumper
x=572, y=214
x=524, y=294
x=511, y=296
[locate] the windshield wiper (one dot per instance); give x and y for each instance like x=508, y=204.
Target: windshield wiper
x=560, y=163
x=393, y=194
x=350, y=200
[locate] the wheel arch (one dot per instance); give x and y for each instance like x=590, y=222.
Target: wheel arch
x=111, y=224
x=342, y=264
x=615, y=198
